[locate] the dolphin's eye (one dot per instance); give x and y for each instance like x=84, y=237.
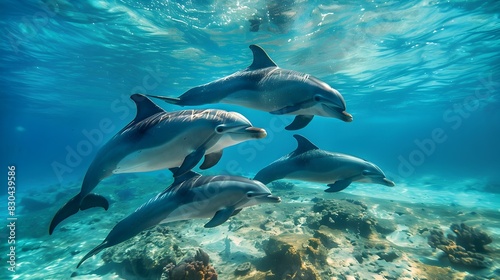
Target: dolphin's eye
x=317, y=98
x=219, y=129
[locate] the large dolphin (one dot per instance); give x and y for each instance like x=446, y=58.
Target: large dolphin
x=266, y=87
x=191, y=196
x=157, y=140
x=309, y=163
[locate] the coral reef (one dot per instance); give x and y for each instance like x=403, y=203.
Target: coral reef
x=327, y=237
x=146, y=254
x=243, y=269
x=316, y=252
x=286, y=262
x=347, y=214
x=462, y=249
x=470, y=238
x=193, y=268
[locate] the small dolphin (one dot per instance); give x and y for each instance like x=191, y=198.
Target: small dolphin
x=309, y=163
x=266, y=87
x=157, y=140
x=191, y=196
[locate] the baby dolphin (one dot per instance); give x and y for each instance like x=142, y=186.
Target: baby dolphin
x=157, y=140
x=266, y=87
x=191, y=196
x=309, y=163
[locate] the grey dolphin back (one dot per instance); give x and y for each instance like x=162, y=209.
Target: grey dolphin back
x=279, y=169
x=266, y=175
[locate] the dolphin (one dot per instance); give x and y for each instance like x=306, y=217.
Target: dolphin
x=191, y=196
x=157, y=140
x=309, y=163
x=266, y=87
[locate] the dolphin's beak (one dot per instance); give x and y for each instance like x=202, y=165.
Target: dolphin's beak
x=273, y=199
x=338, y=112
x=388, y=182
x=346, y=116
x=256, y=132
x=265, y=197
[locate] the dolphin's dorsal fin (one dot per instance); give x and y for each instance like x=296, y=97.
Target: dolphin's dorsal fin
x=260, y=59
x=177, y=184
x=303, y=145
x=145, y=107
x=186, y=176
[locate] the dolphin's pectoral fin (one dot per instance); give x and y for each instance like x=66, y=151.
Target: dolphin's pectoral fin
x=338, y=186
x=171, y=100
x=299, y=122
x=94, y=200
x=220, y=217
x=235, y=212
x=211, y=159
x=69, y=209
x=190, y=161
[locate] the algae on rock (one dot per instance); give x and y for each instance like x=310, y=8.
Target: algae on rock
x=285, y=257
x=464, y=248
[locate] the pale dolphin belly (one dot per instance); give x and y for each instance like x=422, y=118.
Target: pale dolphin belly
x=161, y=157
x=324, y=169
x=188, y=212
x=263, y=100
x=167, y=155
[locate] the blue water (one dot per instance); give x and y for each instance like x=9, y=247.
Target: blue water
x=421, y=78
x=402, y=68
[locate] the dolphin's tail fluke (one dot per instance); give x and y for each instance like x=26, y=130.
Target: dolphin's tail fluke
x=94, y=200
x=69, y=209
x=94, y=251
x=74, y=205
x=171, y=100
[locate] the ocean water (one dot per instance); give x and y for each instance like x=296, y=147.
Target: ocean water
x=421, y=79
